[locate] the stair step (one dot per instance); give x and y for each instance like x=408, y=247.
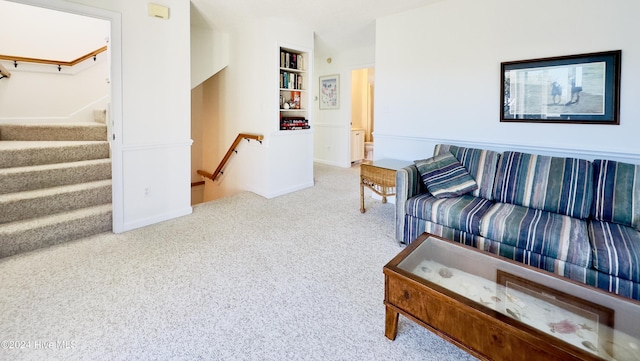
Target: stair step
x=55, y=132
x=41, y=202
x=20, y=179
x=24, y=236
x=29, y=153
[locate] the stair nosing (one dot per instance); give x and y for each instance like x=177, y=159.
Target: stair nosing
x=52, y=191
x=53, y=166
x=43, y=221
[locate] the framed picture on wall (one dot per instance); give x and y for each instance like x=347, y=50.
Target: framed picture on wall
x=330, y=92
x=582, y=89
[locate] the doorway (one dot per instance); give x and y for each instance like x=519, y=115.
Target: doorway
x=362, y=101
x=114, y=107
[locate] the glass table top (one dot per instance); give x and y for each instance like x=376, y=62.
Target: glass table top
x=393, y=164
x=605, y=325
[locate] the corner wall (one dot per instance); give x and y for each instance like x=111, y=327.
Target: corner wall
x=243, y=98
x=438, y=74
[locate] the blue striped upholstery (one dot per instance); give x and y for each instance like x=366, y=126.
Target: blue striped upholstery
x=408, y=184
x=552, y=184
x=445, y=177
x=617, y=193
x=548, y=234
x=480, y=163
x=586, y=275
x=569, y=270
x=535, y=209
x=462, y=213
x=616, y=249
x=616, y=285
x=418, y=226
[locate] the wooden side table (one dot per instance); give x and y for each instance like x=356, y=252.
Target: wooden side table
x=380, y=177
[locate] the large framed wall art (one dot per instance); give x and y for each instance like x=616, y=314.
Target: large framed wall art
x=583, y=89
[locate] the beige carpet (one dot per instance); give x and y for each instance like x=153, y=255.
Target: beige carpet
x=298, y=277
x=55, y=184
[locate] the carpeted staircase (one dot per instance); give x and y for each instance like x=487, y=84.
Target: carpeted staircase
x=55, y=184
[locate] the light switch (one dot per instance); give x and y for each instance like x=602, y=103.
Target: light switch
x=158, y=11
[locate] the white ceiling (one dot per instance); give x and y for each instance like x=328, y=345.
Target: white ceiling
x=47, y=33
x=336, y=23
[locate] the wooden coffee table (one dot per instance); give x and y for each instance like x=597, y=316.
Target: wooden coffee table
x=497, y=309
x=380, y=177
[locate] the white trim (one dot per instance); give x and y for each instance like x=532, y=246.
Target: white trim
x=139, y=223
x=333, y=125
x=283, y=191
x=335, y=164
x=151, y=146
x=589, y=154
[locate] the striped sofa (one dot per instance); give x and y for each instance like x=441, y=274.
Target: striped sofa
x=573, y=217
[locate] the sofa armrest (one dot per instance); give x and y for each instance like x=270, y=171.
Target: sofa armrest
x=408, y=184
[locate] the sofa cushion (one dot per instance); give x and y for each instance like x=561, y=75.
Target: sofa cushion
x=616, y=249
x=445, y=177
x=569, y=270
x=480, y=163
x=552, y=184
x=617, y=193
x=462, y=213
x=547, y=234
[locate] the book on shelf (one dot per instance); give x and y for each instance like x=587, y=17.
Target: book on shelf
x=294, y=123
x=300, y=62
x=290, y=80
x=291, y=60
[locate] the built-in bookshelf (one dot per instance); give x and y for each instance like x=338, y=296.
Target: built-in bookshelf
x=294, y=96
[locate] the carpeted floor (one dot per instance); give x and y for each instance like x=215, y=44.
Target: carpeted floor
x=298, y=277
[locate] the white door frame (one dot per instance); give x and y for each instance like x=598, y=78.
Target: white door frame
x=115, y=109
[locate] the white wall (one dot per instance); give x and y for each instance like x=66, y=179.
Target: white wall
x=32, y=96
x=438, y=71
x=150, y=107
x=333, y=126
x=41, y=92
x=209, y=53
x=35, y=32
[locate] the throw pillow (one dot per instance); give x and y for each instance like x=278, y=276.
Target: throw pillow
x=445, y=177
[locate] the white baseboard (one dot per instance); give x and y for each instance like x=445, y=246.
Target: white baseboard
x=139, y=223
x=332, y=163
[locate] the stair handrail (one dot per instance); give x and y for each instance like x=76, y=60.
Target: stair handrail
x=59, y=63
x=231, y=150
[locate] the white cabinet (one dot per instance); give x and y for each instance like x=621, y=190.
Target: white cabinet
x=357, y=145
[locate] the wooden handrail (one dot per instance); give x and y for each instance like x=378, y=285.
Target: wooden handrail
x=195, y=184
x=224, y=161
x=54, y=62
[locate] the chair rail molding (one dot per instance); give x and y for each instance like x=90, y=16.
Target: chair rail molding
x=409, y=147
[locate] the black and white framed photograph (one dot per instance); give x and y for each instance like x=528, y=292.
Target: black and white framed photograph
x=583, y=89
x=330, y=92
